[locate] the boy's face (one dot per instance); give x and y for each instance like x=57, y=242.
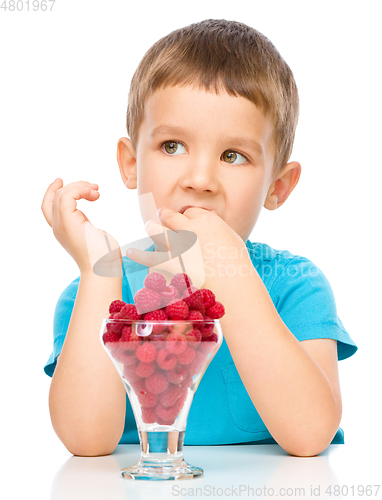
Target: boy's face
x=207, y=150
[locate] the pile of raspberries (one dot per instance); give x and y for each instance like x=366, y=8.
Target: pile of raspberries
x=160, y=366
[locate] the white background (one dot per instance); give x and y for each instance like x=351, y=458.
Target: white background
x=64, y=81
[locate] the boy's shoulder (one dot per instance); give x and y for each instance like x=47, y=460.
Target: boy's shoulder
x=277, y=266
x=265, y=253
x=261, y=252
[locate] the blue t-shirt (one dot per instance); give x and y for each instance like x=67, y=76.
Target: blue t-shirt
x=304, y=300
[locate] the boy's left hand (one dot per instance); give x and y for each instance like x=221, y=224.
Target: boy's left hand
x=218, y=245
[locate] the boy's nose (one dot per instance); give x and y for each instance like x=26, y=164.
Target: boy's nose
x=201, y=176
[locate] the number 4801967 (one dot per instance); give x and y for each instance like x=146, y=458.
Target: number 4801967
x=19, y=5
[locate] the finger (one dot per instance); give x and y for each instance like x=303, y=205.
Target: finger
x=66, y=202
x=160, y=261
x=149, y=259
x=172, y=219
x=159, y=235
x=152, y=228
x=75, y=185
x=193, y=212
x=47, y=201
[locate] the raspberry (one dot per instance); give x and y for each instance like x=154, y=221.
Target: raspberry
x=129, y=339
x=170, y=396
x=198, y=363
x=169, y=295
x=116, y=306
x=177, y=328
x=193, y=337
x=155, y=281
x=114, y=326
x=157, y=337
x=213, y=338
x=146, y=352
x=156, y=383
x=181, y=281
x=149, y=415
x=129, y=311
x=162, y=421
x=194, y=315
x=146, y=398
x=125, y=357
x=110, y=336
x=207, y=328
x=177, y=375
x=112, y=347
x=189, y=291
x=137, y=384
x=130, y=374
x=145, y=369
x=195, y=300
x=216, y=311
x=147, y=300
x=176, y=343
x=208, y=298
x=166, y=360
x=158, y=315
x=208, y=344
x=182, y=398
x=187, y=382
x=127, y=332
x=128, y=346
x=166, y=416
x=187, y=356
x=178, y=310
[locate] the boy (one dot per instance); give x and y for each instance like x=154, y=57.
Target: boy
x=211, y=118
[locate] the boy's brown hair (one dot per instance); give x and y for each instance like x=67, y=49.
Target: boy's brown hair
x=219, y=54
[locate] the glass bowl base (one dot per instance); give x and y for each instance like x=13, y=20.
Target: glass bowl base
x=155, y=472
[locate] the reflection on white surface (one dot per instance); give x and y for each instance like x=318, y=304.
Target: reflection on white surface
x=229, y=471
x=91, y=477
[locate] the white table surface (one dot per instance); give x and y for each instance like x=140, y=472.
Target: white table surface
x=246, y=471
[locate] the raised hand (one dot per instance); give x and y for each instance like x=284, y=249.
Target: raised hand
x=84, y=242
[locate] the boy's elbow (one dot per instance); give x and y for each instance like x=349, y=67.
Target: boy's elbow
x=90, y=452
x=306, y=448
x=311, y=444
x=83, y=448
x=87, y=442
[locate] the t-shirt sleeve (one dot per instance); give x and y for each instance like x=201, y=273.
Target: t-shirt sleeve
x=62, y=315
x=61, y=319
x=305, y=301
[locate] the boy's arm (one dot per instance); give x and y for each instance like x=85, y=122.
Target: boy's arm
x=293, y=385
x=87, y=399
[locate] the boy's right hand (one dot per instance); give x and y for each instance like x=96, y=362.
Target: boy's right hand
x=85, y=243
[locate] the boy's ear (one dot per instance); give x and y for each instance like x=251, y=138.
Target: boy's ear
x=282, y=186
x=127, y=162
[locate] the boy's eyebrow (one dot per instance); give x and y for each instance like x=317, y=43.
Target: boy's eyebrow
x=246, y=143
x=166, y=129
x=237, y=141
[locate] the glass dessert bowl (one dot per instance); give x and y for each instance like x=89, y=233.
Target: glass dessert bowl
x=161, y=364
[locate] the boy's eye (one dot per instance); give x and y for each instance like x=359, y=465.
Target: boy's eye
x=174, y=148
x=231, y=157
